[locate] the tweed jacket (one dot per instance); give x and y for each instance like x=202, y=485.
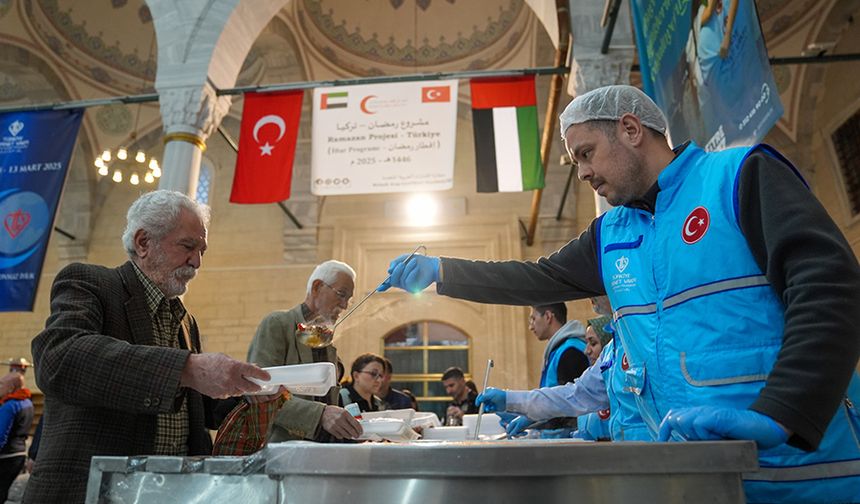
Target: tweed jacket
x=275, y=344
x=104, y=380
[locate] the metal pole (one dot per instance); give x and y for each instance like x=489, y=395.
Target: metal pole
x=555, y=87
x=566, y=190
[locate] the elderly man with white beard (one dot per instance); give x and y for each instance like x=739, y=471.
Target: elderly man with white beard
x=119, y=360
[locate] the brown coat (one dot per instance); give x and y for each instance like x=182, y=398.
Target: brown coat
x=103, y=380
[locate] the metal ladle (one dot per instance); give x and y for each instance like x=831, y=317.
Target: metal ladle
x=365, y=298
x=481, y=407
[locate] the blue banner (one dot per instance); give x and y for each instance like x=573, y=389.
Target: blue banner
x=35, y=148
x=705, y=64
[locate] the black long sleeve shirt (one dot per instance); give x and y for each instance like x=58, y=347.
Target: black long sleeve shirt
x=804, y=255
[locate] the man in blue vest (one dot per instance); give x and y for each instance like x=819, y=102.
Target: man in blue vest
x=740, y=290
x=564, y=358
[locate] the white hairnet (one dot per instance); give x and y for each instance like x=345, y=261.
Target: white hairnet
x=609, y=103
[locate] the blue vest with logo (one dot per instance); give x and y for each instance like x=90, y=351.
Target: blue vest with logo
x=549, y=376
x=702, y=326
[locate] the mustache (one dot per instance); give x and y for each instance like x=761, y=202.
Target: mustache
x=184, y=272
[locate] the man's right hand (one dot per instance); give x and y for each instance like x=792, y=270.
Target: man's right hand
x=219, y=376
x=339, y=423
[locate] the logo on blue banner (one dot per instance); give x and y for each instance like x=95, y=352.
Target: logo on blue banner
x=35, y=148
x=705, y=64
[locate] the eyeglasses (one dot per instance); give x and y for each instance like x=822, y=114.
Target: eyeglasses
x=374, y=374
x=343, y=296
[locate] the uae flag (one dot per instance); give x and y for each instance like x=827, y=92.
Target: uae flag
x=267, y=146
x=504, y=116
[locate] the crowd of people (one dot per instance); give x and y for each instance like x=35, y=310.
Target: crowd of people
x=716, y=269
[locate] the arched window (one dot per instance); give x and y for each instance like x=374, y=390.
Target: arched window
x=420, y=351
x=204, y=184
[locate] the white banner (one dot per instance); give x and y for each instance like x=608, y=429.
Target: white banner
x=379, y=138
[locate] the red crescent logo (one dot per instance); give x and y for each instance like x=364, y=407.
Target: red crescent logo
x=363, y=104
x=603, y=414
x=695, y=225
x=625, y=365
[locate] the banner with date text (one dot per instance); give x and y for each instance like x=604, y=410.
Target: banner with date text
x=379, y=138
x=35, y=148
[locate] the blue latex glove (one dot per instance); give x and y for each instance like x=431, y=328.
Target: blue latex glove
x=505, y=418
x=413, y=276
x=582, y=434
x=518, y=426
x=703, y=423
x=493, y=400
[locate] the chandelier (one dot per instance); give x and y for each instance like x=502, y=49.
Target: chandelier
x=138, y=168
x=120, y=162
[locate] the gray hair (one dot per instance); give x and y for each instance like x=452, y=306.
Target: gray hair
x=328, y=271
x=609, y=103
x=157, y=213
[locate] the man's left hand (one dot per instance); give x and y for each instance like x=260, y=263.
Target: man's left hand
x=703, y=423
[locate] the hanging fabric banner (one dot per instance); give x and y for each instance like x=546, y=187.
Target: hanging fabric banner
x=507, y=147
x=707, y=70
x=379, y=138
x=35, y=148
x=267, y=147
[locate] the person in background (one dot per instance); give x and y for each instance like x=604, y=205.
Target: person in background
x=366, y=375
x=470, y=384
x=719, y=265
x=596, y=338
x=392, y=398
x=16, y=417
x=329, y=289
x=564, y=357
x=463, y=398
x=412, y=399
x=120, y=361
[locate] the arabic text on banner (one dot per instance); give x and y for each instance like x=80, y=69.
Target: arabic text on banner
x=380, y=138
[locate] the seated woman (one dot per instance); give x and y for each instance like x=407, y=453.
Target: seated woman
x=365, y=381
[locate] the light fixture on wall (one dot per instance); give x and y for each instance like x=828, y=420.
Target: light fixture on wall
x=120, y=163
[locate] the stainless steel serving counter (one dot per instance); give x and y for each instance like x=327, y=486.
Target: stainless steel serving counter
x=445, y=472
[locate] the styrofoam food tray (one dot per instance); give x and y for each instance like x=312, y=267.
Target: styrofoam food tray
x=452, y=433
x=392, y=429
x=304, y=379
x=490, y=425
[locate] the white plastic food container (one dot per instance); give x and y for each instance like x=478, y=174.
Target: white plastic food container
x=302, y=379
x=490, y=425
x=391, y=429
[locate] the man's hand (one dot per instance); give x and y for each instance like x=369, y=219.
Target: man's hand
x=339, y=423
x=493, y=400
x=219, y=376
x=412, y=276
x=704, y=423
x=454, y=412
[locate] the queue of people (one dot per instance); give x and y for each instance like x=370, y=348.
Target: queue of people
x=123, y=371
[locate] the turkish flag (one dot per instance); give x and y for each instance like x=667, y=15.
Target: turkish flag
x=267, y=147
x=435, y=94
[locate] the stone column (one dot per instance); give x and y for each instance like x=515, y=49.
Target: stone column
x=190, y=115
x=201, y=47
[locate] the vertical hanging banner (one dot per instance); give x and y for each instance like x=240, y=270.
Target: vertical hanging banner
x=707, y=70
x=267, y=147
x=35, y=148
x=507, y=147
x=380, y=138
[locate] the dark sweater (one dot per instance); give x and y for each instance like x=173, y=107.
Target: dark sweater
x=804, y=255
